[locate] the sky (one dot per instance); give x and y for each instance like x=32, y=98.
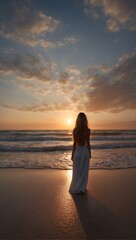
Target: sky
x=59, y=58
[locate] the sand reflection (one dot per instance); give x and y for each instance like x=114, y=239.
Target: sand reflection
x=66, y=215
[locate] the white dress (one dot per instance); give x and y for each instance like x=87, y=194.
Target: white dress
x=80, y=169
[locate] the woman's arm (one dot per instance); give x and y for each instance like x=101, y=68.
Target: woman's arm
x=74, y=146
x=88, y=142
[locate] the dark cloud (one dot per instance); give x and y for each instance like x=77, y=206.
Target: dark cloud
x=120, y=13
x=28, y=26
x=26, y=23
x=64, y=78
x=26, y=66
x=116, y=90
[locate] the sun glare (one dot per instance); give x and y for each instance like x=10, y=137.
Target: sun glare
x=69, y=121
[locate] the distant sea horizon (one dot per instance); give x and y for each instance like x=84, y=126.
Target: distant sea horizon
x=69, y=129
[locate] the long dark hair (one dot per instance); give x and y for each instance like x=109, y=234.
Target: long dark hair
x=81, y=128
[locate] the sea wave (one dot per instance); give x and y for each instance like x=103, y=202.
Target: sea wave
x=64, y=147
x=53, y=139
x=32, y=138
x=65, y=132
x=34, y=133
x=101, y=159
x=113, y=132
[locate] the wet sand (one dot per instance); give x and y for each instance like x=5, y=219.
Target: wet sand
x=36, y=204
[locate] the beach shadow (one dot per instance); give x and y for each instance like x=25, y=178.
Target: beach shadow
x=98, y=221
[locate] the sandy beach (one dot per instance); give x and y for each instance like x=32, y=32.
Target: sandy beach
x=36, y=204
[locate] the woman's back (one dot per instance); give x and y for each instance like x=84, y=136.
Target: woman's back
x=81, y=136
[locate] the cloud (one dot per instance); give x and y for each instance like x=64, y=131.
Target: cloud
x=94, y=89
x=64, y=78
x=39, y=78
x=70, y=81
x=115, y=91
x=112, y=25
x=73, y=85
x=27, y=23
x=29, y=108
x=73, y=70
x=91, y=12
x=40, y=107
x=36, y=79
x=120, y=13
x=27, y=66
x=70, y=76
x=29, y=26
x=62, y=43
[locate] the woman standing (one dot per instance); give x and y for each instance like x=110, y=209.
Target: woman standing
x=81, y=154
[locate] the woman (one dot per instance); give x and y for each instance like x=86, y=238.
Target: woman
x=81, y=154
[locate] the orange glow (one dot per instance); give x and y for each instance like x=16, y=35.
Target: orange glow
x=13, y=119
x=70, y=121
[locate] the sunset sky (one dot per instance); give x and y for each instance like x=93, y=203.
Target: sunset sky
x=61, y=57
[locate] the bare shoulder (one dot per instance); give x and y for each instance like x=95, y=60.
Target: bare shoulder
x=74, y=130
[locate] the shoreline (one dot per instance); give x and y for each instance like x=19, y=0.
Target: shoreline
x=59, y=169
x=37, y=205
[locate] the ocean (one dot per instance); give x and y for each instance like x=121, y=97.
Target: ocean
x=51, y=149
